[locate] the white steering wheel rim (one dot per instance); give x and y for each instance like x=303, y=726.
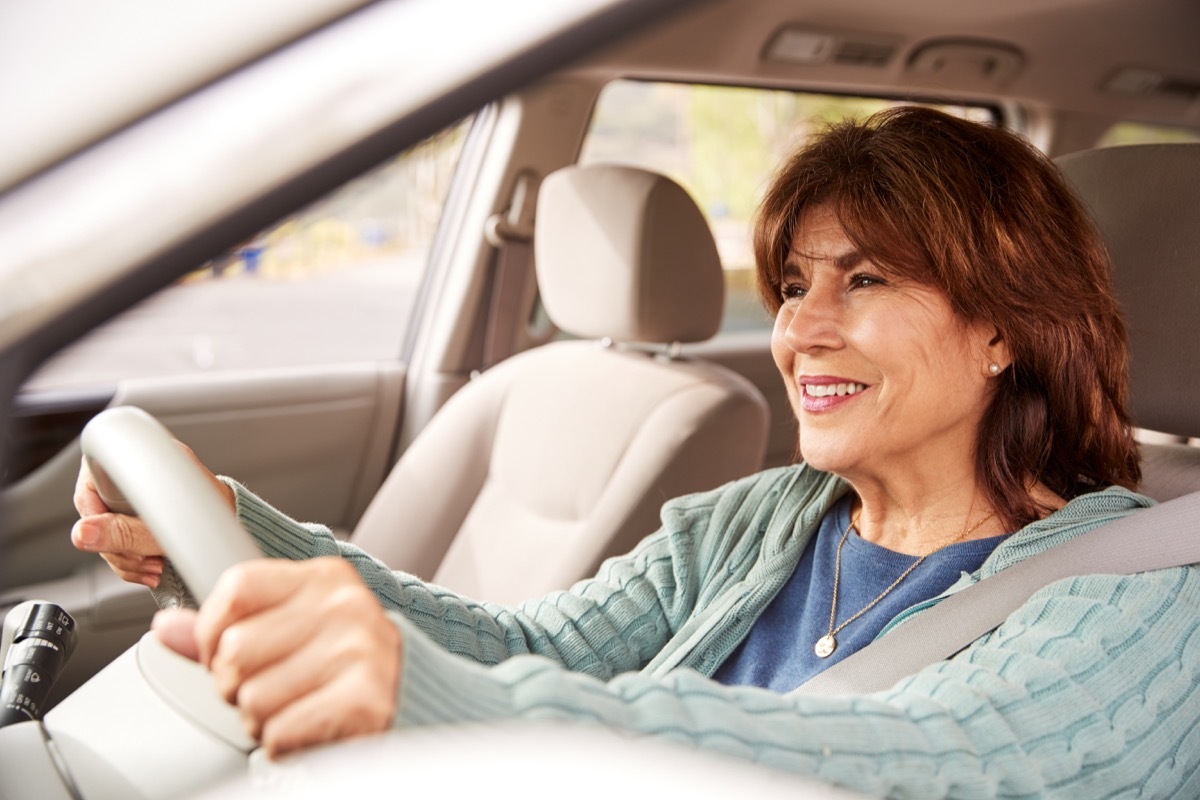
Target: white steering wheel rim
x=190, y=520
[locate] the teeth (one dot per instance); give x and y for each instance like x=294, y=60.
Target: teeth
x=830, y=389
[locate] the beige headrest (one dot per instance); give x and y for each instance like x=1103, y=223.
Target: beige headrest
x=1146, y=201
x=625, y=253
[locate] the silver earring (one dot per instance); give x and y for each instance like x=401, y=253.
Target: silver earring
x=994, y=368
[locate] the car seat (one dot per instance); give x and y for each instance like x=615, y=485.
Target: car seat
x=538, y=469
x=1146, y=201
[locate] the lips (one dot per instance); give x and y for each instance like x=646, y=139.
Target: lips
x=825, y=393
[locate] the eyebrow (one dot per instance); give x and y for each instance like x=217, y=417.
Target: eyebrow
x=849, y=260
x=843, y=261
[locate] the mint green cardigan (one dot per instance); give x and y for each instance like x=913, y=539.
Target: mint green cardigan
x=1089, y=690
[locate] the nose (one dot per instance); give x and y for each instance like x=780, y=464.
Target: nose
x=812, y=323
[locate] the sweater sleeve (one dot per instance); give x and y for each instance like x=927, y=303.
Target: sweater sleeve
x=613, y=623
x=1089, y=690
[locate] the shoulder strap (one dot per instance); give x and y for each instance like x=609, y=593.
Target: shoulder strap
x=1153, y=538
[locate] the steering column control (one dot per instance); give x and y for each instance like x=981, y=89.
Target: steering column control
x=38, y=639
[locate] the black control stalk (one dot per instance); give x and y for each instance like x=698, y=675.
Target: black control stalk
x=38, y=639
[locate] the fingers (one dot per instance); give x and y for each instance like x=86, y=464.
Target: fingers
x=115, y=534
x=146, y=570
x=122, y=541
x=246, y=589
x=125, y=543
x=303, y=648
x=318, y=663
x=249, y=649
x=338, y=710
x=176, y=629
x=332, y=689
x=87, y=499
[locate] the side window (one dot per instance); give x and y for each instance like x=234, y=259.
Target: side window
x=1124, y=133
x=722, y=144
x=333, y=283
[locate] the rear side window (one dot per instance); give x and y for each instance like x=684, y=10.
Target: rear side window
x=722, y=144
x=1141, y=133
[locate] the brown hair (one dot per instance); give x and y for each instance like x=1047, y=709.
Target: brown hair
x=979, y=213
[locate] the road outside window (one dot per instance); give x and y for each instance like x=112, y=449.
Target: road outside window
x=334, y=283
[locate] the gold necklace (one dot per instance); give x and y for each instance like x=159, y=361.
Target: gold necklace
x=828, y=643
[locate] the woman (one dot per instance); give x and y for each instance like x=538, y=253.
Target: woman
x=950, y=424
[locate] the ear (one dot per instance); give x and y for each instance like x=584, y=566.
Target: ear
x=995, y=352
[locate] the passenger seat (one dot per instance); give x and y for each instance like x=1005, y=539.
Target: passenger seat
x=563, y=455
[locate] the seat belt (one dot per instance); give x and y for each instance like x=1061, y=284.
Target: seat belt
x=511, y=235
x=1152, y=538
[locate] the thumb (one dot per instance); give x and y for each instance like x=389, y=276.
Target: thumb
x=176, y=628
x=114, y=533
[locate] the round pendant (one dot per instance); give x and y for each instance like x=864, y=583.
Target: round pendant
x=825, y=646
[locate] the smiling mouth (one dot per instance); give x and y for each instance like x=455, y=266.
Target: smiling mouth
x=833, y=389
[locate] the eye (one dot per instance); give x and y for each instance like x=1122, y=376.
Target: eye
x=792, y=290
x=861, y=280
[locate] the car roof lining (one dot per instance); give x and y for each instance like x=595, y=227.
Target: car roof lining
x=726, y=43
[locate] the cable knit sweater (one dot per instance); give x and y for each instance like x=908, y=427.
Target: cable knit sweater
x=1089, y=690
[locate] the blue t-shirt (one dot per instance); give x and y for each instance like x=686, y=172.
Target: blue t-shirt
x=778, y=653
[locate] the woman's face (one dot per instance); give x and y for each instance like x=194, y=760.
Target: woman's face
x=883, y=377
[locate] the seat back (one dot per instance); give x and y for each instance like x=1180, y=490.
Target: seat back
x=1146, y=201
x=561, y=456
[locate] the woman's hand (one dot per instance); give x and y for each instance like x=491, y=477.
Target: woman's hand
x=302, y=648
x=124, y=541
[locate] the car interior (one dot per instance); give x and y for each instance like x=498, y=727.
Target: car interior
x=506, y=502
x=494, y=379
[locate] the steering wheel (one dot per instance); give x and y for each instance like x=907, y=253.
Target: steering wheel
x=138, y=469
x=151, y=723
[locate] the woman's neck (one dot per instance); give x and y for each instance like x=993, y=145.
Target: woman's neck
x=918, y=518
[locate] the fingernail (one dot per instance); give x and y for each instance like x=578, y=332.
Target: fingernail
x=86, y=534
x=151, y=581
